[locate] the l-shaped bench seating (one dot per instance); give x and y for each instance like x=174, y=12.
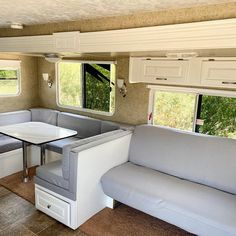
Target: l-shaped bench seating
x=85, y=126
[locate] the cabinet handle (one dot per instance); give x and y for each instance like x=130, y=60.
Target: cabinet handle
x=48, y=206
x=224, y=82
x=161, y=78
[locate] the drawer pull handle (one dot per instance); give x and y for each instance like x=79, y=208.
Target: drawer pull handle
x=161, y=78
x=48, y=206
x=228, y=82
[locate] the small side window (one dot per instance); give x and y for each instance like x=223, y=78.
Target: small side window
x=9, y=77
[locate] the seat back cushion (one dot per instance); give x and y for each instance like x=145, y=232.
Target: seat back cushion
x=199, y=158
x=9, y=118
x=44, y=115
x=85, y=126
x=108, y=126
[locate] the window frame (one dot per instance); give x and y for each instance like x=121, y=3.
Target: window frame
x=6, y=64
x=87, y=110
x=197, y=91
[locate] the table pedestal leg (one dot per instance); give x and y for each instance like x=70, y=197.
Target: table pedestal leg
x=25, y=167
x=42, y=147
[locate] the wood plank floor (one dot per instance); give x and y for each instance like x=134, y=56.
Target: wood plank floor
x=19, y=217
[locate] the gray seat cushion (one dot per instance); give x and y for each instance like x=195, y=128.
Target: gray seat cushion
x=9, y=144
x=52, y=173
x=181, y=201
x=200, y=158
x=9, y=118
x=85, y=126
x=57, y=146
x=44, y=115
x=107, y=126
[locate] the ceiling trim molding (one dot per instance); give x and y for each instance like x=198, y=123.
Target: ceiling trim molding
x=219, y=34
x=200, y=35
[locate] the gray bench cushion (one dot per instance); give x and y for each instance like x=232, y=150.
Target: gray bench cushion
x=107, y=126
x=57, y=146
x=85, y=126
x=9, y=144
x=52, y=173
x=9, y=118
x=200, y=158
x=44, y=115
x=160, y=195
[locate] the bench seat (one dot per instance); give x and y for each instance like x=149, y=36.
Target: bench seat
x=52, y=173
x=57, y=146
x=8, y=144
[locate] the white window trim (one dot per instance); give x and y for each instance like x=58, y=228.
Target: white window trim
x=9, y=65
x=197, y=91
x=104, y=113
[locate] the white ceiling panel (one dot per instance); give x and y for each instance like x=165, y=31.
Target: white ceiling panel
x=31, y=12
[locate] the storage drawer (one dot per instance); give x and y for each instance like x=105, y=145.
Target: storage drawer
x=53, y=206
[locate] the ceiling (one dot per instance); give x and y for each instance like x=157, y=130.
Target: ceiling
x=30, y=12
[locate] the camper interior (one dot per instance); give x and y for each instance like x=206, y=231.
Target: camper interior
x=118, y=118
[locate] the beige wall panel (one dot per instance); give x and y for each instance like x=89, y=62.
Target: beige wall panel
x=131, y=109
x=29, y=86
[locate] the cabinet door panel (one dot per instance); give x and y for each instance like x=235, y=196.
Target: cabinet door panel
x=165, y=72
x=219, y=73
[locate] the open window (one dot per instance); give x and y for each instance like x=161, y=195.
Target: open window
x=9, y=77
x=86, y=85
x=195, y=111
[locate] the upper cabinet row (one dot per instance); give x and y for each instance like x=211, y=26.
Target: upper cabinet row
x=201, y=72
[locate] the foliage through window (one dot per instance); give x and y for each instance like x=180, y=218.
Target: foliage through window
x=213, y=115
x=9, y=77
x=86, y=85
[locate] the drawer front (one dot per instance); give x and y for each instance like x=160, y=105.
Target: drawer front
x=53, y=206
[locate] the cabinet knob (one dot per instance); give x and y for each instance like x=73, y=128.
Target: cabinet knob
x=48, y=206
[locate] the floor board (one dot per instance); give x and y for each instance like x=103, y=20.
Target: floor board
x=18, y=216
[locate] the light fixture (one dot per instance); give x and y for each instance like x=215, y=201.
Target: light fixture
x=15, y=25
x=121, y=86
x=52, y=57
x=46, y=77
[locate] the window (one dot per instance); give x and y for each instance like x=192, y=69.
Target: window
x=9, y=77
x=207, y=114
x=84, y=85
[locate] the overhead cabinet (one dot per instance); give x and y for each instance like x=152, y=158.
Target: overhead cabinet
x=158, y=71
x=200, y=72
x=218, y=73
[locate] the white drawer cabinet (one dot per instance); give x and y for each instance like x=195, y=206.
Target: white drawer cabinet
x=53, y=206
x=159, y=71
x=218, y=73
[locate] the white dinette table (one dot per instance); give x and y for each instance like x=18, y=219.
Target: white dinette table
x=36, y=133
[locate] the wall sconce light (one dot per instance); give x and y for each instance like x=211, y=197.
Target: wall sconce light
x=46, y=77
x=122, y=87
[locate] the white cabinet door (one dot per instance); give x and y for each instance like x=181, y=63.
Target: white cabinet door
x=159, y=71
x=218, y=74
